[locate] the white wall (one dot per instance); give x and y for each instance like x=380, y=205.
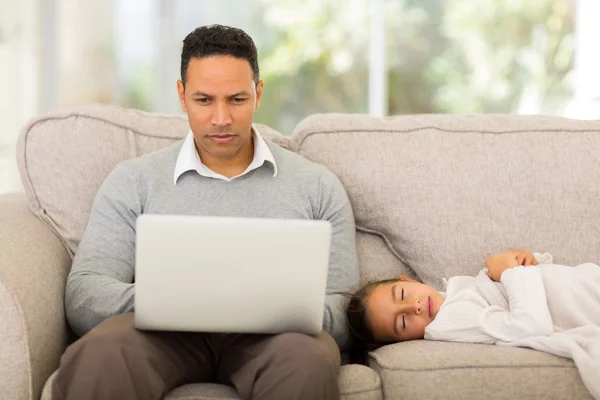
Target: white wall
x=68, y=52
x=586, y=99
x=52, y=52
x=19, y=52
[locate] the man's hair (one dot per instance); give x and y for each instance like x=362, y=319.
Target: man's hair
x=218, y=40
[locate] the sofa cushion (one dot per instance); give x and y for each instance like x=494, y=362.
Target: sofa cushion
x=65, y=155
x=203, y=391
x=447, y=371
x=446, y=191
x=376, y=260
x=357, y=382
x=194, y=391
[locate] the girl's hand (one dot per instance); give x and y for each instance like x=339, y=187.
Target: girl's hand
x=498, y=263
x=525, y=257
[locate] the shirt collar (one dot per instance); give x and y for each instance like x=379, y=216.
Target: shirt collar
x=189, y=160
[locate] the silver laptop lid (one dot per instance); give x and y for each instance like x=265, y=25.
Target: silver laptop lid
x=225, y=274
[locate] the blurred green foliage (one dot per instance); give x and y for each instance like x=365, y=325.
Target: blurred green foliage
x=443, y=56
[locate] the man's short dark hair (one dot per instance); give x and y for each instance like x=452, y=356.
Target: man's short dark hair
x=218, y=40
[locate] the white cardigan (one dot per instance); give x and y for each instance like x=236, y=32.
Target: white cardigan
x=549, y=307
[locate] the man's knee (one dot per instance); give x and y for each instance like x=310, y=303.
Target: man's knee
x=289, y=366
x=103, y=342
x=103, y=354
x=319, y=354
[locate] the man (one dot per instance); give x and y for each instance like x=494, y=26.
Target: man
x=222, y=168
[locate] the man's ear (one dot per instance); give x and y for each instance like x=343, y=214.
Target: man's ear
x=181, y=94
x=259, y=92
x=406, y=279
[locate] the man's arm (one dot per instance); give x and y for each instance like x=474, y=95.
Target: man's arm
x=100, y=284
x=334, y=206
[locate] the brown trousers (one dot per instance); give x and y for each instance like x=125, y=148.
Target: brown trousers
x=117, y=361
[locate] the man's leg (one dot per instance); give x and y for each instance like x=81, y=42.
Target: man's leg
x=285, y=366
x=116, y=361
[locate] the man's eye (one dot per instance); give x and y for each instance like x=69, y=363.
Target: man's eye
x=202, y=100
x=402, y=294
x=403, y=322
x=237, y=100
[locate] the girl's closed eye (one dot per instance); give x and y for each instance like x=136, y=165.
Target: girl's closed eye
x=400, y=326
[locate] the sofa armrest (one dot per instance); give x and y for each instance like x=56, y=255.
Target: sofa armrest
x=33, y=270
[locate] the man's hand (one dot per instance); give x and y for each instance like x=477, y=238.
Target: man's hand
x=524, y=257
x=498, y=263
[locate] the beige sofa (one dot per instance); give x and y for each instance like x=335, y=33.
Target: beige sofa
x=432, y=195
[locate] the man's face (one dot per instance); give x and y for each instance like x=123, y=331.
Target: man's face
x=220, y=99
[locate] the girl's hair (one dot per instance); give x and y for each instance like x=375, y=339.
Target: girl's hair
x=364, y=341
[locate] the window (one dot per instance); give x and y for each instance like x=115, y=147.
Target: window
x=383, y=57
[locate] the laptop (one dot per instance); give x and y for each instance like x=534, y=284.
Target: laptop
x=226, y=274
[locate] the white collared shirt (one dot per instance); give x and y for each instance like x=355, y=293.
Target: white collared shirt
x=189, y=160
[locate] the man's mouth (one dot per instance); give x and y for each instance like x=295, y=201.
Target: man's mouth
x=221, y=138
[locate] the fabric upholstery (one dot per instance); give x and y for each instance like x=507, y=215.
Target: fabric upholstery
x=33, y=269
x=64, y=156
x=196, y=391
x=459, y=371
x=203, y=391
x=357, y=382
x=446, y=191
x=376, y=260
x=433, y=195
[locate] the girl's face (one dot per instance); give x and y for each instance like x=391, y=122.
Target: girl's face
x=401, y=310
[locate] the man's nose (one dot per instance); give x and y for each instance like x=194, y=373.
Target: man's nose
x=221, y=115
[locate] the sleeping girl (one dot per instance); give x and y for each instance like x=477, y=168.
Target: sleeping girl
x=519, y=299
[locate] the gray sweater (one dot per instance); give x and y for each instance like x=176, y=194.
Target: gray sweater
x=100, y=284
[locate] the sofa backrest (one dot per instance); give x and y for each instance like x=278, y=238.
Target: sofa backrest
x=437, y=194
x=433, y=195
x=64, y=156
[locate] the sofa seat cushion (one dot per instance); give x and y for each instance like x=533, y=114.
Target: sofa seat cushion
x=194, y=391
x=65, y=155
x=203, y=391
x=357, y=382
x=442, y=370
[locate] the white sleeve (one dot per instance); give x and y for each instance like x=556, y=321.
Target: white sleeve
x=528, y=313
x=459, y=322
